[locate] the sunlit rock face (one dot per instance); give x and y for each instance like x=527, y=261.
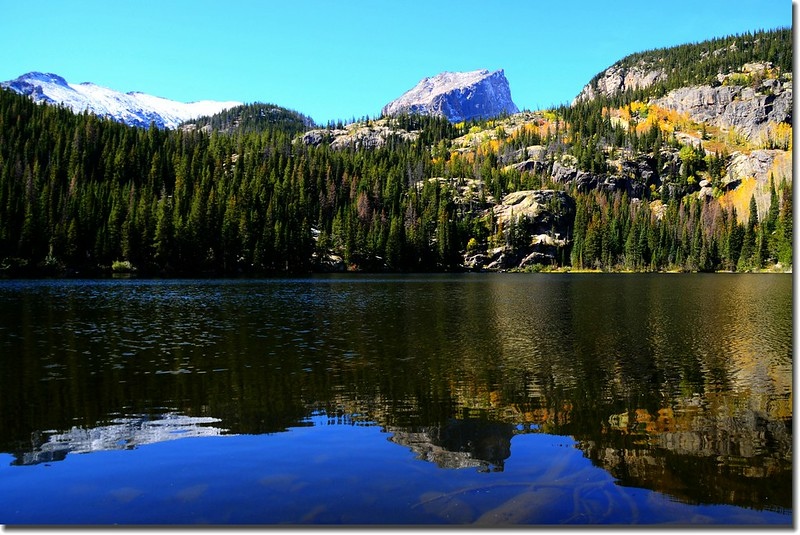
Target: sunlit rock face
x=535, y=225
x=458, y=96
x=727, y=103
x=749, y=110
x=618, y=79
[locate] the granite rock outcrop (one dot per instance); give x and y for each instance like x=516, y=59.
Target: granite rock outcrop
x=618, y=79
x=749, y=110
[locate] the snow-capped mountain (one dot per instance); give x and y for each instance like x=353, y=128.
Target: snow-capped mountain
x=459, y=96
x=134, y=108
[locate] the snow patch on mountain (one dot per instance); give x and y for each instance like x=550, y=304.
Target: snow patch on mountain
x=459, y=96
x=134, y=108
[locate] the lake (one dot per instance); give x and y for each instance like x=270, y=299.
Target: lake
x=487, y=399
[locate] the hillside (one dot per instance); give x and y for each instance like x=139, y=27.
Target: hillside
x=653, y=177
x=252, y=118
x=653, y=73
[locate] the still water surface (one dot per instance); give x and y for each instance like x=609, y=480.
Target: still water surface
x=487, y=399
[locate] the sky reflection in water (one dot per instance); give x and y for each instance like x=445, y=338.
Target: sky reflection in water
x=397, y=400
x=326, y=474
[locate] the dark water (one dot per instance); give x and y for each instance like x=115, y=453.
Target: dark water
x=488, y=399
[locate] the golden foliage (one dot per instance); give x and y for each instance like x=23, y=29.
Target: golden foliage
x=489, y=146
x=647, y=115
x=739, y=198
x=776, y=136
x=457, y=156
x=527, y=128
x=782, y=167
x=550, y=116
x=640, y=108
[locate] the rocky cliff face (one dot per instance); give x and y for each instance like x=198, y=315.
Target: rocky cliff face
x=748, y=100
x=618, y=79
x=633, y=177
x=749, y=110
x=458, y=96
x=759, y=165
x=533, y=229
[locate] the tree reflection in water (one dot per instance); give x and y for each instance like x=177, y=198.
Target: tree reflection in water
x=680, y=384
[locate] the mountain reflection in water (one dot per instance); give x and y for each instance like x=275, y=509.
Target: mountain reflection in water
x=120, y=434
x=467, y=443
x=679, y=384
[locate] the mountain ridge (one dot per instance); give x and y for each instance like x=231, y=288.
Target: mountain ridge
x=134, y=108
x=652, y=73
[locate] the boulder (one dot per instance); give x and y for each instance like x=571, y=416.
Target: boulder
x=540, y=210
x=331, y=263
x=563, y=172
x=536, y=258
x=529, y=166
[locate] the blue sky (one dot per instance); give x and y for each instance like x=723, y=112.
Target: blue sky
x=338, y=60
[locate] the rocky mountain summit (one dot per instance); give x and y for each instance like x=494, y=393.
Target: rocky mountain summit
x=133, y=108
x=459, y=96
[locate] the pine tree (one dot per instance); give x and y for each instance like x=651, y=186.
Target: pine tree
x=395, y=244
x=163, y=239
x=747, y=256
x=784, y=227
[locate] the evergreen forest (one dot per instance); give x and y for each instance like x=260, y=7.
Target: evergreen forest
x=245, y=193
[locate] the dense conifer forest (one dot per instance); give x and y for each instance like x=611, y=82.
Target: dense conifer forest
x=241, y=193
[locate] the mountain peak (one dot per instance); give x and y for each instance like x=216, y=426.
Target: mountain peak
x=458, y=96
x=133, y=108
x=45, y=77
